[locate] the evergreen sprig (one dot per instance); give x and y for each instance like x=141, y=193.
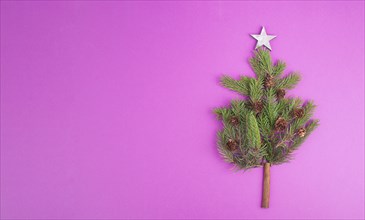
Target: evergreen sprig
x=289, y=81
x=263, y=127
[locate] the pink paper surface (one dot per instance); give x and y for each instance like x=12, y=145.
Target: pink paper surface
x=106, y=109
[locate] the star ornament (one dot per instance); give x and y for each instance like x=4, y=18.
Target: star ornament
x=263, y=39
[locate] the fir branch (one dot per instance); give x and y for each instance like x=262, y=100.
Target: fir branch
x=261, y=63
x=238, y=107
x=287, y=154
x=308, y=108
x=240, y=86
x=278, y=68
x=219, y=112
x=270, y=109
x=285, y=140
x=289, y=81
x=223, y=151
x=310, y=127
x=264, y=125
x=255, y=90
x=252, y=131
x=288, y=106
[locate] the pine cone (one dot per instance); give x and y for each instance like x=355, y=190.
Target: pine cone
x=232, y=145
x=280, y=93
x=234, y=121
x=257, y=106
x=280, y=124
x=269, y=82
x=301, y=132
x=298, y=112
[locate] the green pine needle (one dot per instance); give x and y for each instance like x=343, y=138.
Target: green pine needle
x=289, y=81
x=250, y=123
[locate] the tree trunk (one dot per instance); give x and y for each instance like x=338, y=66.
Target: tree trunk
x=266, y=187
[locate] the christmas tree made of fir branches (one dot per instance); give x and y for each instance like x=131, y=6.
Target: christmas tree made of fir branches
x=265, y=127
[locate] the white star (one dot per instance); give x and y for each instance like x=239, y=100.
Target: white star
x=263, y=39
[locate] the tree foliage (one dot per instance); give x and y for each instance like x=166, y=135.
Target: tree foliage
x=264, y=126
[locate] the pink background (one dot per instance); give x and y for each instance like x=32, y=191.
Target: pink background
x=106, y=109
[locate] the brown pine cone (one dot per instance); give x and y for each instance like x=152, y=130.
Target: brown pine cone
x=301, y=132
x=280, y=124
x=280, y=93
x=257, y=106
x=269, y=81
x=232, y=145
x=234, y=121
x=298, y=112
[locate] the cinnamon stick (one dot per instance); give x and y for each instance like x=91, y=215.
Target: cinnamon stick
x=266, y=187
